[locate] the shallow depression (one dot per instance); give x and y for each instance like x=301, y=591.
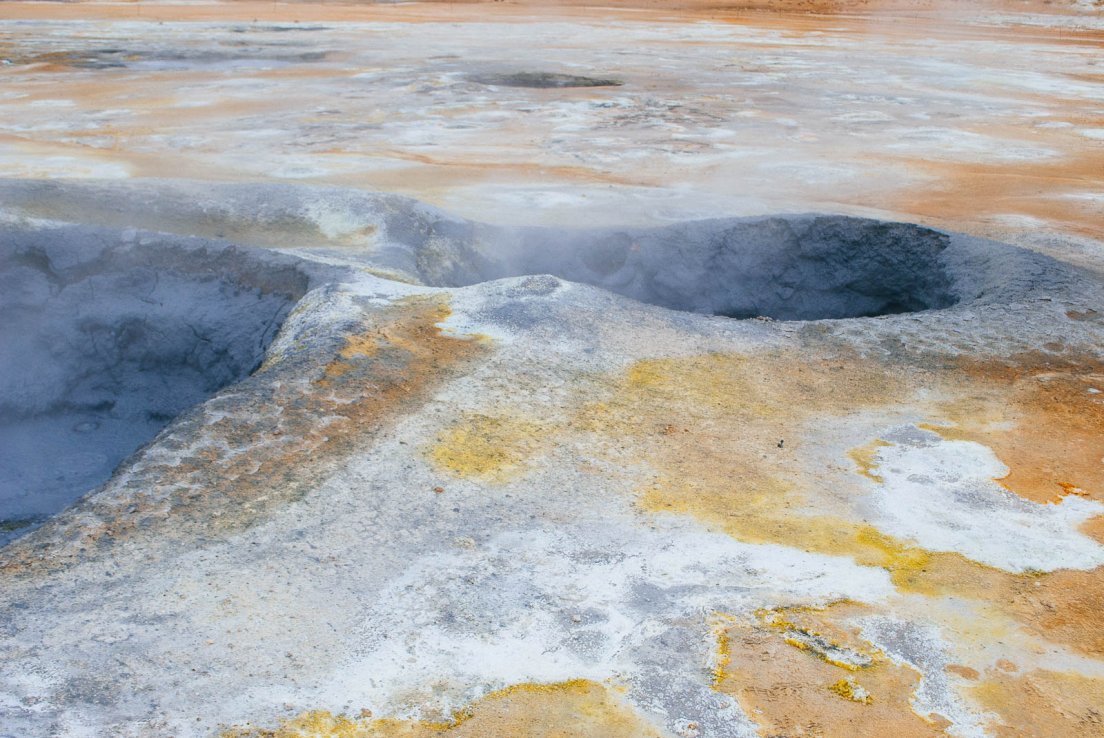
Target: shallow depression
x=104, y=342
x=542, y=80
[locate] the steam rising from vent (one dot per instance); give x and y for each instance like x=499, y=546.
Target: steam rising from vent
x=787, y=268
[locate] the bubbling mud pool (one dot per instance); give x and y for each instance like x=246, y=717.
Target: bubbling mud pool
x=785, y=268
x=106, y=339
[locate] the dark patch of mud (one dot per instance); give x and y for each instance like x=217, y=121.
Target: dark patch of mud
x=543, y=80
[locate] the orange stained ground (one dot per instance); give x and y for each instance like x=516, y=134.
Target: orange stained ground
x=1051, y=192
x=709, y=426
x=1043, y=415
x=1043, y=704
x=976, y=193
x=790, y=689
x=337, y=10
x=573, y=709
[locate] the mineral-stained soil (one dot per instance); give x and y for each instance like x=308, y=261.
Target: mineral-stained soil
x=704, y=409
x=982, y=117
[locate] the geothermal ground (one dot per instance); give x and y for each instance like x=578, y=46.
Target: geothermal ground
x=513, y=370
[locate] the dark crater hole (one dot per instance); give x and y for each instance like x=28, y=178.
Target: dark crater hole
x=786, y=268
x=102, y=343
x=542, y=80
